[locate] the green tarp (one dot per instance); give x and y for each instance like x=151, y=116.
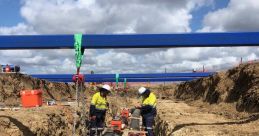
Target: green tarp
x=78, y=49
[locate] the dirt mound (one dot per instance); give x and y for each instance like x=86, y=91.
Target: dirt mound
x=240, y=85
x=43, y=121
x=11, y=85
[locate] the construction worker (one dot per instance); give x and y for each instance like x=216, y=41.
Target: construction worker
x=98, y=108
x=148, y=109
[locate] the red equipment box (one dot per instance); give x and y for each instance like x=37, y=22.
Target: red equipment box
x=136, y=134
x=125, y=113
x=31, y=98
x=116, y=124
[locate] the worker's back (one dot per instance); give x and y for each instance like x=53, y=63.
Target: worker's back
x=149, y=101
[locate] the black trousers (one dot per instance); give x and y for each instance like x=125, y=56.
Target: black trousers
x=98, y=124
x=148, y=122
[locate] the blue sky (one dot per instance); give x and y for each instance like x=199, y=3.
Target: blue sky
x=198, y=15
x=10, y=13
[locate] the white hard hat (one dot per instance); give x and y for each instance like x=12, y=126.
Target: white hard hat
x=106, y=87
x=142, y=90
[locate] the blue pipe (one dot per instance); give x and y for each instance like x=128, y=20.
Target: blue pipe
x=95, y=41
x=128, y=76
x=130, y=80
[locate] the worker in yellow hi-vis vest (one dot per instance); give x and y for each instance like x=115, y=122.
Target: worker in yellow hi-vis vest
x=98, y=108
x=148, y=109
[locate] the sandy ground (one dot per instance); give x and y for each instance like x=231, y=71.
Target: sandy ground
x=176, y=118
x=198, y=120
x=40, y=121
x=222, y=95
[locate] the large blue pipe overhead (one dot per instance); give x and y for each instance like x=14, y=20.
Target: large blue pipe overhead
x=130, y=80
x=151, y=77
x=96, y=41
x=128, y=76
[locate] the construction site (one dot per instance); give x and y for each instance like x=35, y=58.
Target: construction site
x=199, y=103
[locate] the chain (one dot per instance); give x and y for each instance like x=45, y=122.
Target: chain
x=83, y=112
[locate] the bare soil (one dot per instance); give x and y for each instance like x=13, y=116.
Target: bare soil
x=180, y=119
x=239, y=85
x=11, y=84
x=226, y=103
x=42, y=121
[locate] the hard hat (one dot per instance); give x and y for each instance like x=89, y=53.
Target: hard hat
x=106, y=87
x=142, y=90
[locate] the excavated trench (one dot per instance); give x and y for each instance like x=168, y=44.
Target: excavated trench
x=55, y=120
x=162, y=127
x=238, y=87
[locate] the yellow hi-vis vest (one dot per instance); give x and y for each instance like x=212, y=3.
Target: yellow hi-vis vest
x=150, y=100
x=99, y=102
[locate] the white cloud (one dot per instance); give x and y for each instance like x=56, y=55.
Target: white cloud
x=117, y=16
x=19, y=29
x=239, y=15
x=17, y=53
x=73, y=16
x=91, y=16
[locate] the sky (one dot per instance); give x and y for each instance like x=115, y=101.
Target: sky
x=30, y=17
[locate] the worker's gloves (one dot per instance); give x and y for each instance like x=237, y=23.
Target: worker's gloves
x=93, y=117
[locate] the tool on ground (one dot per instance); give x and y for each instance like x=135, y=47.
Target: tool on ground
x=117, y=124
x=51, y=102
x=121, y=123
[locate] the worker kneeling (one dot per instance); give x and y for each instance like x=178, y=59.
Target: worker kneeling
x=98, y=108
x=148, y=109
